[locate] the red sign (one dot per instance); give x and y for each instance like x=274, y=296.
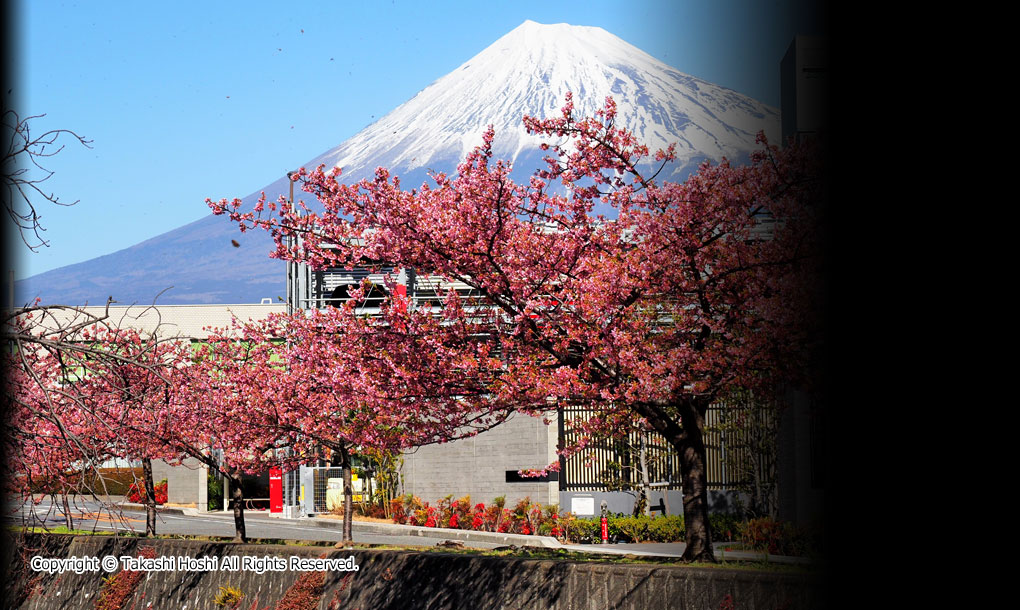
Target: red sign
x=275, y=490
x=605, y=530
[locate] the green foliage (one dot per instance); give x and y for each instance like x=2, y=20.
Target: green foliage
x=583, y=530
x=387, y=478
x=669, y=528
x=634, y=528
x=228, y=597
x=214, y=491
x=625, y=528
x=725, y=526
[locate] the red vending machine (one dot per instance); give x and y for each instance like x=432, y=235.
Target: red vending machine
x=275, y=490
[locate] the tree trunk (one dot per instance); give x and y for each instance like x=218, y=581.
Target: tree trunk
x=695, y=488
x=150, y=498
x=238, y=497
x=345, y=463
x=646, y=495
x=687, y=438
x=370, y=502
x=68, y=520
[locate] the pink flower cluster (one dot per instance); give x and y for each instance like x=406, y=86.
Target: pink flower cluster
x=526, y=517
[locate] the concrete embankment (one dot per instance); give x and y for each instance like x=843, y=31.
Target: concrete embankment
x=192, y=574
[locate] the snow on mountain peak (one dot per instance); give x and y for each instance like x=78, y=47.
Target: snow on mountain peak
x=529, y=71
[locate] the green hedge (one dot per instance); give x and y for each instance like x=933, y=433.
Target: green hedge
x=629, y=529
x=670, y=528
x=764, y=534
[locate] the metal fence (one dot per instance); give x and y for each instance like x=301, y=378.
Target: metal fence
x=323, y=488
x=739, y=443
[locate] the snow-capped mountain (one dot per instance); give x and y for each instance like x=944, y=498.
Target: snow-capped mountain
x=527, y=71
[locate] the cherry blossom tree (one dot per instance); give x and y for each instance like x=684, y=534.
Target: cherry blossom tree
x=594, y=283
x=47, y=441
x=327, y=384
x=130, y=401
x=83, y=391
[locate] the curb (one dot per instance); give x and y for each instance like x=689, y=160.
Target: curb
x=442, y=532
x=169, y=510
x=392, y=529
x=520, y=540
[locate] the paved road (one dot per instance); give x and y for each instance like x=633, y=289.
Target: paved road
x=88, y=515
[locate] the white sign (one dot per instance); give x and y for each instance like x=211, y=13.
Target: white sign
x=582, y=505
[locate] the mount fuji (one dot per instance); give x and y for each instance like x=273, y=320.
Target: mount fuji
x=527, y=71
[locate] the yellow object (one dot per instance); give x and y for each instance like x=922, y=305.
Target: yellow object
x=334, y=499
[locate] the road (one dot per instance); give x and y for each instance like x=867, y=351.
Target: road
x=89, y=515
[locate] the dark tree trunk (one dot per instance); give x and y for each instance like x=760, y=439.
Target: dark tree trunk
x=646, y=496
x=150, y=498
x=345, y=463
x=694, y=480
x=237, y=495
x=68, y=520
x=687, y=437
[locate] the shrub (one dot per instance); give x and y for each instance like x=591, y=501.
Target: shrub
x=634, y=529
x=305, y=593
x=583, y=530
x=769, y=535
x=214, y=491
x=228, y=597
x=117, y=589
x=668, y=528
x=725, y=526
x=136, y=493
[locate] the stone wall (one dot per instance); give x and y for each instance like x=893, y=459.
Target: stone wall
x=397, y=579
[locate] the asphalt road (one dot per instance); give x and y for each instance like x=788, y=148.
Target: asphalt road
x=89, y=515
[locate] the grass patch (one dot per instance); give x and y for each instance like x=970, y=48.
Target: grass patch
x=60, y=529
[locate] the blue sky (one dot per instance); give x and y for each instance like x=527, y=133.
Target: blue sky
x=190, y=100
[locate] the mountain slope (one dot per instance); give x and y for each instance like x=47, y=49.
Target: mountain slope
x=527, y=71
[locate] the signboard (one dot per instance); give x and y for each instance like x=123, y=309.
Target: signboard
x=275, y=490
x=582, y=505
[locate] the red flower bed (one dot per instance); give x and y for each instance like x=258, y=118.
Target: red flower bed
x=526, y=517
x=136, y=493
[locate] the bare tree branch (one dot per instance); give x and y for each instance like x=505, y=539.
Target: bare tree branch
x=23, y=157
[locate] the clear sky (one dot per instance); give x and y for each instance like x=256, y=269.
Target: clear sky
x=189, y=100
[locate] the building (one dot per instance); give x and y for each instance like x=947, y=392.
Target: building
x=487, y=466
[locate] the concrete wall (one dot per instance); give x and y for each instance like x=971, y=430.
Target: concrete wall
x=477, y=466
x=396, y=579
x=623, y=502
x=186, y=484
